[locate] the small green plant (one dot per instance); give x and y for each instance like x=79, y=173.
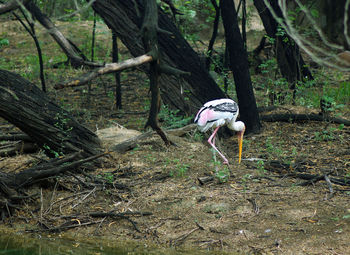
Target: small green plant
x=198, y=136
x=171, y=118
x=223, y=174
x=151, y=158
x=62, y=120
x=52, y=151
x=275, y=86
x=110, y=94
x=347, y=178
x=135, y=149
x=325, y=135
x=245, y=178
x=179, y=169
x=108, y=177
x=273, y=149
x=4, y=42
x=260, y=166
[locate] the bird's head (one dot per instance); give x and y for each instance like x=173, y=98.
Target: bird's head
x=239, y=127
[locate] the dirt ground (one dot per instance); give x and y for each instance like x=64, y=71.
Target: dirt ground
x=246, y=207
x=250, y=207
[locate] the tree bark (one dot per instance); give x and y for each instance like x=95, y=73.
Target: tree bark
x=289, y=59
x=51, y=127
x=150, y=43
x=186, y=93
x=333, y=12
x=240, y=68
x=118, y=85
x=11, y=5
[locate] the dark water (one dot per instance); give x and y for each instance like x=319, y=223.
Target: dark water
x=16, y=244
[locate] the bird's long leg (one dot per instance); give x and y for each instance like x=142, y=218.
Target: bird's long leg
x=211, y=138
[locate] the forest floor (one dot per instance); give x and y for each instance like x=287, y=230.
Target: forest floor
x=256, y=207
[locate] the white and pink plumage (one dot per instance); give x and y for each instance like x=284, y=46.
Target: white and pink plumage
x=218, y=113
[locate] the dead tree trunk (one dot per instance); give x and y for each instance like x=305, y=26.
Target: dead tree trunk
x=186, y=93
x=150, y=42
x=51, y=127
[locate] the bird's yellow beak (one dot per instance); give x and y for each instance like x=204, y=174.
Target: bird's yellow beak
x=240, y=143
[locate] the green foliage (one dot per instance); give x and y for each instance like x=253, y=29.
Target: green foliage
x=270, y=39
x=178, y=169
x=62, y=120
x=4, y=42
x=107, y=177
x=199, y=12
x=135, y=149
x=327, y=134
x=245, y=179
x=52, y=151
x=260, y=166
x=273, y=149
x=282, y=33
x=151, y=158
x=223, y=174
x=172, y=118
x=276, y=150
x=62, y=123
x=337, y=94
x=324, y=135
x=308, y=92
x=276, y=87
x=315, y=13
x=198, y=136
x=340, y=95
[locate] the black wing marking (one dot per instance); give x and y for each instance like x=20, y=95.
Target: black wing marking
x=225, y=107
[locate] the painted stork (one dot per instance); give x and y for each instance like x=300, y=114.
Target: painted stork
x=218, y=113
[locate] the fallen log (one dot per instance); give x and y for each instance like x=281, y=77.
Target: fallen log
x=293, y=117
x=54, y=129
x=285, y=170
x=13, y=148
x=52, y=168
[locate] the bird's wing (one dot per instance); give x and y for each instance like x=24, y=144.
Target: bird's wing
x=216, y=114
x=229, y=107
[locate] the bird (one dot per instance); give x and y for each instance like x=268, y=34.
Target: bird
x=218, y=113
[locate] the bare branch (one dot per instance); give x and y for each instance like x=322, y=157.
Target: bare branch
x=78, y=10
x=11, y=5
x=108, y=68
x=326, y=55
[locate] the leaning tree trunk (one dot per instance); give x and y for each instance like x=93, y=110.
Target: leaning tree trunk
x=51, y=127
x=240, y=68
x=289, y=59
x=187, y=92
